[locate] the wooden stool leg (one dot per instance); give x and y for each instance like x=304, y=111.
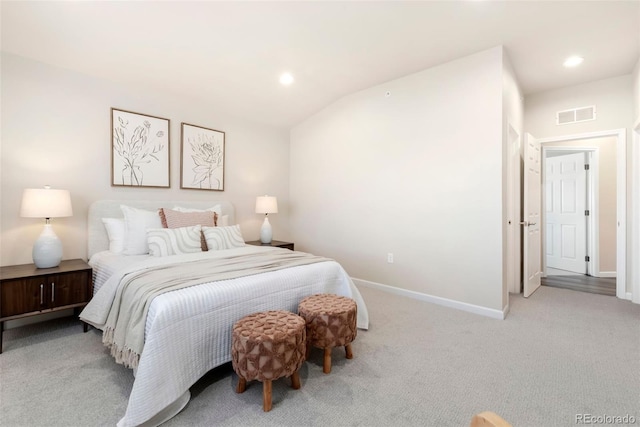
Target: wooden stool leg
x=242, y=385
x=266, y=395
x=326, y=367
x=295, y=380
x=347, y=349
x=308, y=353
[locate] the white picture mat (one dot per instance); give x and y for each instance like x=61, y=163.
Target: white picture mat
x=139, y=150
x=202, y=154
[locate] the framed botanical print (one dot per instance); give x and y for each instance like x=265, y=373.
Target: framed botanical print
x=139, y=150
x=201, y=158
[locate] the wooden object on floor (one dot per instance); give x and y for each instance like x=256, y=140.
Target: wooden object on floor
x=267, y=346
x=488, y=419
x=331, y=322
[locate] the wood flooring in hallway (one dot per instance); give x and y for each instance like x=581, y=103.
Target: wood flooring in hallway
x=583, y=283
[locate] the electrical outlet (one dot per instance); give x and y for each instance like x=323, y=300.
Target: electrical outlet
x=390, y=258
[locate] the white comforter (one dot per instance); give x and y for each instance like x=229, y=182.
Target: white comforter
x=188, y=332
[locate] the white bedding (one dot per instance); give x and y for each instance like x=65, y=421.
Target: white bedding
x=188, y=331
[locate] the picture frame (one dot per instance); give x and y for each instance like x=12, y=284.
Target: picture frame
x=139, y=150
x=202, y=153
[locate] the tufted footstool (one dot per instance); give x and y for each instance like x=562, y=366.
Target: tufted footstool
x=331, y=322
x=267, y=346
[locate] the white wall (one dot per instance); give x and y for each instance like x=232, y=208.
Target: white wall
x=635, y=188
x=636, y=93
x=56, y=131
x=418, y=173
x=614, y=108
x=612, y=98
x=512, y=136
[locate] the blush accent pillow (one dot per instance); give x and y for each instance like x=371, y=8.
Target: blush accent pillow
x=115, y=232
x=174, y=241
x=219, y=238
x=217, y=209
x=175, y=219
x=136, y=222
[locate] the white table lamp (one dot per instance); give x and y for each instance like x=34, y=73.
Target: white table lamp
x=46, y=203
x=266, y=205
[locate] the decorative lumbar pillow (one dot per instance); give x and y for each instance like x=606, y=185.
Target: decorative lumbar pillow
x=174, y=241
x=221, y=220
x=136, y=222
x=223, y=237
x=175, y=219
x=115, y=232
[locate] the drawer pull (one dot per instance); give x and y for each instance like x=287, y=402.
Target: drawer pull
x=41, y=294
x=53, y=291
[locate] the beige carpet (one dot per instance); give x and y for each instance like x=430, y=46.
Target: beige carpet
x=559, y=353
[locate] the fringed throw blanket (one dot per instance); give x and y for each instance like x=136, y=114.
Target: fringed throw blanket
x=125, y=325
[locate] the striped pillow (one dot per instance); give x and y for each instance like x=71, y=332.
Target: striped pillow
x=223, y=237
x=174, y=241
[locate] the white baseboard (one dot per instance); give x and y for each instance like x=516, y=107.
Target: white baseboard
x=605, y=274
x=629, y=296
x=471, y=308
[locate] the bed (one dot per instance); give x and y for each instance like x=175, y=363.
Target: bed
x=187, y=331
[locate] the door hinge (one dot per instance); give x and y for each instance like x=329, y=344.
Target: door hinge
x=586, y=212
x=586, y=258
x=586, y=167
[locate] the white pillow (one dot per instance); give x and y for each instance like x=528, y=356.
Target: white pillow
x=174, y=241
x=223, y=220
x=136, y=222
x=115, y=231
x=223, y=237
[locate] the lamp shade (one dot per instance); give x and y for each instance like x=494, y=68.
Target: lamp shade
x=266, y=205
x=45, y=203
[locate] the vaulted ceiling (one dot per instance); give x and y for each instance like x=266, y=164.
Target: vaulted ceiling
x=231, y=53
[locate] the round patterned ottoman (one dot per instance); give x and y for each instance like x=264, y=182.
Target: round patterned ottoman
x=267, y=346
x=331, y=322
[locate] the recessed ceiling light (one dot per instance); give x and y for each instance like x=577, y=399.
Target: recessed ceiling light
x=573, y=61
x=286, y=79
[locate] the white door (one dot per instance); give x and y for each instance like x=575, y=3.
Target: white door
x=531, y=221
x=565, y=205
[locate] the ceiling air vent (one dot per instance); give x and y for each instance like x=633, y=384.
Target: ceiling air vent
x=582, y=114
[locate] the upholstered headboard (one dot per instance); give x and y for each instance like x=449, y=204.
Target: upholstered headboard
x=97, y=233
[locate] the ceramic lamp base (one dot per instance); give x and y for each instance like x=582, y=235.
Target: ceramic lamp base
x=47, y=250
x=265, y=231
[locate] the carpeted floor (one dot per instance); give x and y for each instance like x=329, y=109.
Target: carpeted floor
x=558, y=354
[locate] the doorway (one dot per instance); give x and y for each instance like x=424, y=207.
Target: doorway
x=582, y=228
x=568, y=177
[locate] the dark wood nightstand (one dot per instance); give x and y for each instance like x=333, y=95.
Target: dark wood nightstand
x=274, y=243
x=26, y=290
